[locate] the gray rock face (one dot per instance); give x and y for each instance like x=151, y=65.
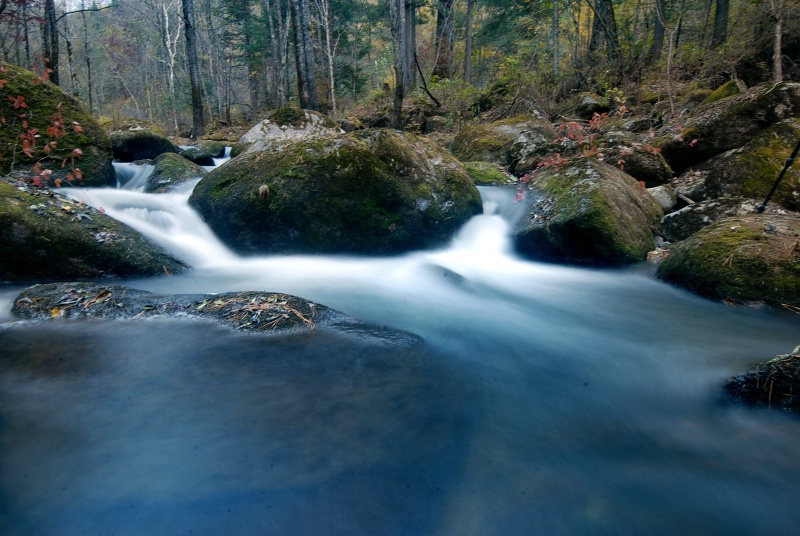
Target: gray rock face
x=588, y=213
x=683, y=223
x=169, y=171
x=283, y=127
x=368, y=192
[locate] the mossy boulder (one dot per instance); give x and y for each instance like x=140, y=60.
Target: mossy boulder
x=752, y=170
x=169, y=171
x=46, y=236
x=641, y=161
x=488, y=174
x=285, y=126
x=40, y=101
x=368, y=192
x=727, y=124
x=588, y=104
x=534, y=144
x=136, y=141
x=203, y=152
x=587, y=213
x=728, y=89
x=683, y=223
x=746, y=259
x=491, y=142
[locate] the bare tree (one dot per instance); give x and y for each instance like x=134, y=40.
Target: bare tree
x=198, y=124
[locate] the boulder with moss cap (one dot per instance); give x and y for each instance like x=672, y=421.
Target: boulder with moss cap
x=587, y=213
x=368, y=192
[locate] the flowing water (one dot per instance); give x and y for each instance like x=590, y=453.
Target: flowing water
x=542, y=399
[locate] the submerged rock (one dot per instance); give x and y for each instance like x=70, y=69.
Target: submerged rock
x=78, y=130
x=587, y=213
x=252, y=312
x=773, y=384
x=368, y=192
x=749, y=259
x=46, y=236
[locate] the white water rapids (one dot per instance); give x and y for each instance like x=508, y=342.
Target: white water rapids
x=544, y=400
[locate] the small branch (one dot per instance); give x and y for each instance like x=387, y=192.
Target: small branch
x=90, y=10
x=425, y=85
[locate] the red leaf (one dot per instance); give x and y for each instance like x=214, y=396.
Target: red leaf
x=37, y=182
x=58, y=183
x=77, y=153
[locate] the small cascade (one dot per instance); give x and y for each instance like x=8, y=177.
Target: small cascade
x=132, y=176
x=224, y=158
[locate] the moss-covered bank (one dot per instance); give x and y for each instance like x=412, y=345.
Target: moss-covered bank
x=45, y=106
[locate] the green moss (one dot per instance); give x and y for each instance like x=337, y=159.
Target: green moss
x=728, y=89
x=43, y=101
x=48, y=237
x=289, y=115
x=741, y=259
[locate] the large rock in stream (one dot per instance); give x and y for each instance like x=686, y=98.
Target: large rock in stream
x=46, y=236
x=367, y=192
x=254, y=312
x=56, y=126
x=587, y=213
x=285, y=126
x=139, y=140
x=747, y=259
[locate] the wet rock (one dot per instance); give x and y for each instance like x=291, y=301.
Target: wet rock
x=171, y=170
x=47, y=236
x=664, y=196
x=139, y=141
x=750, y=259
x=370, y=192
x=266, y=312
x=771, y=384
x=488, y=174
x=79, y=131
x=587, y=213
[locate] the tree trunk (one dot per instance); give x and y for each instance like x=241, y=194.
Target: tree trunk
x=198, y=124
x=88, y=59
x=556, y=37
x=50, y=40
x=442, y=66
x=604, y=27
x=720, y=33
x=310, y=63
x=399, y=46
x=658, y=31
x=468, y=44
x=776, y=12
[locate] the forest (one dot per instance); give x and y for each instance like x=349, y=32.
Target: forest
x=194, y=65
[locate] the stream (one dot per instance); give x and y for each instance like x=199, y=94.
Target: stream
x=540, y=399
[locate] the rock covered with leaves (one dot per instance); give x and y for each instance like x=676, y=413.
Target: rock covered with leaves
x=48, y=134
x=46, y=236
x=285, y=126
x=367, y=192
x=747, y=259
x=587, y=212
x=262, y=312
